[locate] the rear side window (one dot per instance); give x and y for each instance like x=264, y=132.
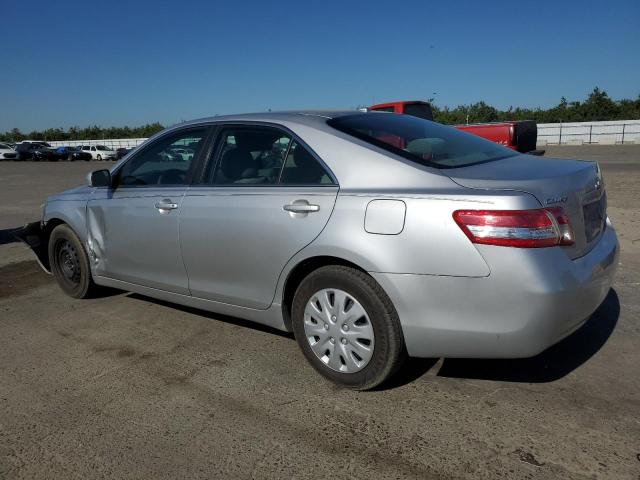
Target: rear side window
x=247, y=155
x=301, y=168
x=421, y=141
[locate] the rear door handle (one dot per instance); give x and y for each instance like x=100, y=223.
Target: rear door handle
x=166, y=204
x=301, y=208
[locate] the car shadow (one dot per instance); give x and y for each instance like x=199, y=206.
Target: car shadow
x=214, y=316
x=6, y=236
x=550, y=365
x=411, y=370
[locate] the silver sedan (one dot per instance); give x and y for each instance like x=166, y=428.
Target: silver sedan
x=371, y=236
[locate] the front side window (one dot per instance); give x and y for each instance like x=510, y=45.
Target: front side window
x=421, y=141
x=102, y=148
x=249, y=156
x=167, y=161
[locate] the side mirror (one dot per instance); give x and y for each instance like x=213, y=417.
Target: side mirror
x=100, y=178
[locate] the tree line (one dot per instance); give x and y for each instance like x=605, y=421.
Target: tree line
x=88, y=133
x=598, y=106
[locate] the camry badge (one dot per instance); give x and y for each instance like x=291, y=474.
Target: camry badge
x=553, y=200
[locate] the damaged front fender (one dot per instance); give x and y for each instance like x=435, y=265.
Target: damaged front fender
x=34, y=235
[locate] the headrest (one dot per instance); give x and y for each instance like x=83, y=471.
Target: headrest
x=237, y=163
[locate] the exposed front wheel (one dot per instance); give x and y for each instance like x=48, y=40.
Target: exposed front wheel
x=70, y=263
x=347, y=327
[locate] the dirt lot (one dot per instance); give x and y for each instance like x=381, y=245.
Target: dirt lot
x=128, y=387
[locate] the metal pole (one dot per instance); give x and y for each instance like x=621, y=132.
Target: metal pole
x=623, y=125
x=560, y=139
x=590, y=130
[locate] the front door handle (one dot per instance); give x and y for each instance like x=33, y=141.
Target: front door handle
x=166, y=205
x=301, y=208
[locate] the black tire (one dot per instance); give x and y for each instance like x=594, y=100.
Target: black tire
x=99, y=158
x=389, y=351
x=70, y=263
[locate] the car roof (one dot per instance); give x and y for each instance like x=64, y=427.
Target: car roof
x=304, y=117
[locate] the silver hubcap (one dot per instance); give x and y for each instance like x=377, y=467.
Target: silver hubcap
x=338, y=330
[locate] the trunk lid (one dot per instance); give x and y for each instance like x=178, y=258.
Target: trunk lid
x=574, y=185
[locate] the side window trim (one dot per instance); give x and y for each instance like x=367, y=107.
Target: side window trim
x=198, y=159
x=211, y=160
x=284, y=162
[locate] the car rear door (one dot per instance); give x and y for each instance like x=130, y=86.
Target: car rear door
x=133, y=228
x=263, y=197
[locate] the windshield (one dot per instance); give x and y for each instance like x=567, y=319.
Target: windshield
x=421, y=141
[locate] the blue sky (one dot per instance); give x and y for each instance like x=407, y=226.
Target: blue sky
x=116, y=62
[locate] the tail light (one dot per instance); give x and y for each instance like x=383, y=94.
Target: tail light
x=516, y=228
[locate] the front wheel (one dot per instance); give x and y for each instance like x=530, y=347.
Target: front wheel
x=70, y=263
x=99, y=158
x=347, y=327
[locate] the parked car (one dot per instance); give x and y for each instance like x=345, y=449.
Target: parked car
x=99, y=152
x=520, y=135
x=121, y=152
x=72, y=153
x=45, y=154
x=27, y=148
x=7, y=152
x=452, y=246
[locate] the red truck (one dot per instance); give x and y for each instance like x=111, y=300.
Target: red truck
x=518, y=135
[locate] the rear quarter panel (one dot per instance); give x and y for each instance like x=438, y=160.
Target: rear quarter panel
x=430, y=243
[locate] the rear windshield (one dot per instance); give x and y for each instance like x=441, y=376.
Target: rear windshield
x=421, y=141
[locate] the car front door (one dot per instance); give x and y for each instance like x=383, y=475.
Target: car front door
x=263, y=197
x=133, y=227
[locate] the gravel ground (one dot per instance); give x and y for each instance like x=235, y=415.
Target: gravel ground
x=128, y=387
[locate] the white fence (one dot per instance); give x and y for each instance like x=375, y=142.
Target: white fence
x=110, y=142
x=577, y=133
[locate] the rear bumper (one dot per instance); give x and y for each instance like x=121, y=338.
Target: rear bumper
x=532, y=299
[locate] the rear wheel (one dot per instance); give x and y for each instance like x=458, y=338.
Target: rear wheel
x=99, y=158
x=70, y=263
x=347, y=327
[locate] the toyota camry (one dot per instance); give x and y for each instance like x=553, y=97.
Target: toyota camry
x=371, y=236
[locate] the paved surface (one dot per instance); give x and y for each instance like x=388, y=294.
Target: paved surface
x=128, y=387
